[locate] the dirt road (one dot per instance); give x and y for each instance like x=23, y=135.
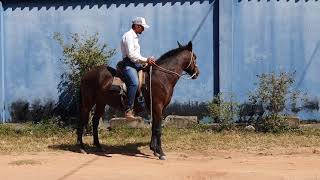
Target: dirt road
x=64, y=165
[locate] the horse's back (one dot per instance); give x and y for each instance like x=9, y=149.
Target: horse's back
x=98, y=77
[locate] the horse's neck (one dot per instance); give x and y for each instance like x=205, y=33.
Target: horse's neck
x=176, y=64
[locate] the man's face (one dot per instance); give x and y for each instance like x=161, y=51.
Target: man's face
x=140, y=29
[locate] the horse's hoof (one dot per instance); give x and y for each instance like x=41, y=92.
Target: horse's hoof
x=82, y=151
x=156, y=154
x=162, y=157
x=81, y=148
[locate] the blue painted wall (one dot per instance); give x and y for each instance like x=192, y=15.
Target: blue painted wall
x=2, y=88
x=269, y=36
x=255, y=37
x=32, y=68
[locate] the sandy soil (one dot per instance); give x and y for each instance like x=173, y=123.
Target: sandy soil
x=66, y=165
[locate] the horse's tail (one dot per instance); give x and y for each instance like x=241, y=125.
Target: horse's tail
x=79, y=103
x=79, y=108
x=80, y=124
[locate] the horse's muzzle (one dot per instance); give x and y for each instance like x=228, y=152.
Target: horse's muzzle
x=196, y=73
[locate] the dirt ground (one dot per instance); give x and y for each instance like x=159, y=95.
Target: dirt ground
x=65, y=165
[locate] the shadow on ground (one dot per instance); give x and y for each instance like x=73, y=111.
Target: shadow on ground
x=130, y=149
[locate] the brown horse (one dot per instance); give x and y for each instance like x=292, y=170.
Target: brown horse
x=95, y=90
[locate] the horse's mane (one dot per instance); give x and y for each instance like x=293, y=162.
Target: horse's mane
x=166, y=56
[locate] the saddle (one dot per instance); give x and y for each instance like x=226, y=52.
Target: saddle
x=118, y=83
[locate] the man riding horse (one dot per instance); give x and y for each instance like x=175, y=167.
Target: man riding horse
x=133, y=62
x=96, y=91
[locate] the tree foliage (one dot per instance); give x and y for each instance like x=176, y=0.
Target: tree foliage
x=198, y=109
x=36, y=111
x=80, y=54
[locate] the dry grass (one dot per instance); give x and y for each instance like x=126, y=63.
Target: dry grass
x=43, y=137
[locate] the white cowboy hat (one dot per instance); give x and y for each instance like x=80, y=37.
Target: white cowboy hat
x=140, y=21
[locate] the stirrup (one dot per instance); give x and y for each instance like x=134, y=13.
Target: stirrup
x=141, y=102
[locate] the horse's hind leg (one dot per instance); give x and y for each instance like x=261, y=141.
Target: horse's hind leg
x=95, y=123
x=86, y=104
x=84, y=118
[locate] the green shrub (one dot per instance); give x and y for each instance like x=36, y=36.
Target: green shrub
x=275, y=93
x=223, y=110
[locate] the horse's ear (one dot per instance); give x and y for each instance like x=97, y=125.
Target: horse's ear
x=179, y=44
x=189, y=46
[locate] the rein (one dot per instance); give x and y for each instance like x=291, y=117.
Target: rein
x=175, y=73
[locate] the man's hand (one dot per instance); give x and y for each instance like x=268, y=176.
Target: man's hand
x=151, y=60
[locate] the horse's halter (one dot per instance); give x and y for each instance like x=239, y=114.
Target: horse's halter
x=192, y=60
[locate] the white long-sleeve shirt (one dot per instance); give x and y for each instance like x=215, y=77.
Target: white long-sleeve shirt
x=130, y=47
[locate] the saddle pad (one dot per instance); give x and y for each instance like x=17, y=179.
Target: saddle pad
x=118, y=85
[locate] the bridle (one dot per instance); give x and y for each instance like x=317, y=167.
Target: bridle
x=192, y=60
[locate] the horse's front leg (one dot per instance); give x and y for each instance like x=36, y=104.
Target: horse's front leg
x=155, y=144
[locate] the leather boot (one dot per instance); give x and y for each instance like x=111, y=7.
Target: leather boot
x=129, y=113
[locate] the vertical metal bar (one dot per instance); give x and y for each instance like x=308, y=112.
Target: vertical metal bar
x=216, y=49
x=3, y=110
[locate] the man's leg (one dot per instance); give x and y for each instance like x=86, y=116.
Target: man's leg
x=132, y=81
x=141, y=78
x=140, y=98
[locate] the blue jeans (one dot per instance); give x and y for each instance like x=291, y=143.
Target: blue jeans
x=132, y=82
